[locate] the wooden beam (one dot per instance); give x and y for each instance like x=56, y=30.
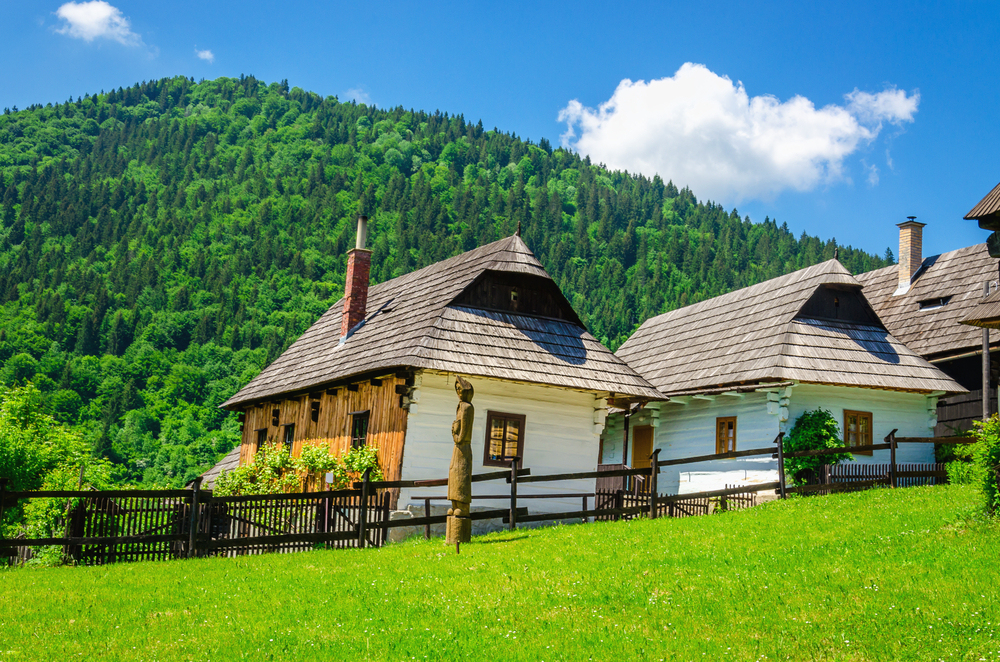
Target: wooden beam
x=679, y=399
x=710, y=398
x=936, y=440
x=717, y=456
x=734, y=394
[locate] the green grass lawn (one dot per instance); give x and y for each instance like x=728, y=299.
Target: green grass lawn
x=909, y=574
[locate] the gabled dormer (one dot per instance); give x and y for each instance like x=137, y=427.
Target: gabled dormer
x=840, y=302
x=520, y=293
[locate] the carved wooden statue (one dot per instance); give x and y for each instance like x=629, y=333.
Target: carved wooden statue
x=460, y=473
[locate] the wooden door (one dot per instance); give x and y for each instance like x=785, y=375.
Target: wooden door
x=642, y=446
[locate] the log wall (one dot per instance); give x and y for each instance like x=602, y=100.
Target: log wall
x=386, y=426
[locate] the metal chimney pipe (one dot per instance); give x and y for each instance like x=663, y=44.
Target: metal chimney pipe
x=362, y=239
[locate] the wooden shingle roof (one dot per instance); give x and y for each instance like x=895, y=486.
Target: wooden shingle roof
x=757, y=334
x=411, y=323
x=986, y=313
x=934, y=330
x=229, y=462
x=988, y=206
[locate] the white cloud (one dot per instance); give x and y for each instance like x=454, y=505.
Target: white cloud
x=700, y=130
x=892, y=105
x=359, y=95
x=96, y=20
x=872, y=175
x=206, y=55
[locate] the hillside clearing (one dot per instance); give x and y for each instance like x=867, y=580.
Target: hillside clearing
x=904, y=575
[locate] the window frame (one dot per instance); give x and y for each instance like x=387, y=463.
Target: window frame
x=871, y=430
x=351, y=431
x=718, y=421
x=488, y=461
x=261, y=438
x=289, y=432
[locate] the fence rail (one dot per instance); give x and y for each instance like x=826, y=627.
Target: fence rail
x=126, y=525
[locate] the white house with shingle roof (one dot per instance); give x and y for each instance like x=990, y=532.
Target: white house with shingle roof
x=742, y=367
x=379, y=367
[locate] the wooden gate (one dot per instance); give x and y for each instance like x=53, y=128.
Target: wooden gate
x=161, y=524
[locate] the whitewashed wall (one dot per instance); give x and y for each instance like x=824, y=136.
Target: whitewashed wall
x=912, y=413
x=685, y=430
x=559, y=438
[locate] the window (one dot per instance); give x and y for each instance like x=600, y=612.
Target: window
x=932, y=304
x=858, y=429
x=504, y=439
x=261, y=438
x=359, y=428
x=725, y=434
x=289, y=436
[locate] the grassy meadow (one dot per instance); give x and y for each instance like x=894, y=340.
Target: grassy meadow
x=909, y=574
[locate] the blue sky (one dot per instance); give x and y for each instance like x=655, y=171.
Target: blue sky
x=917, y=135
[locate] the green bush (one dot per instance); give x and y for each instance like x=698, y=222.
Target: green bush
x=963, y=473
x=986, y=459
x=813, y=430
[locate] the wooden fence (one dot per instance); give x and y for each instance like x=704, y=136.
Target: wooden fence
x=130, y=525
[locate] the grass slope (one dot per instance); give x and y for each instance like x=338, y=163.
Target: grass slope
x=883, y=575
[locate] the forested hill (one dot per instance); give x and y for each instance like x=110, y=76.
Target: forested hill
x=160, y=244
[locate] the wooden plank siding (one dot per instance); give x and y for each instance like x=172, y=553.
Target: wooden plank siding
x=386, y=425
x=956, y=413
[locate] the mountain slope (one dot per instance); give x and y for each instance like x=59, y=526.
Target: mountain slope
x=160, y=244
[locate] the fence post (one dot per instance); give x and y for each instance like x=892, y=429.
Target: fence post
x=326, y=515
x=427, y=513
x=195, y=520
x=587, y=519
x=654, y=465
x=513, y=494
x=363, y=510
x=781, y=465
x=891, y=439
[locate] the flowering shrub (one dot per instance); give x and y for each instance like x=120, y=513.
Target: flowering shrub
x=274, y=471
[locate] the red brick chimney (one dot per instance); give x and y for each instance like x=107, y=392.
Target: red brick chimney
x=911, y=257
x=359, y=262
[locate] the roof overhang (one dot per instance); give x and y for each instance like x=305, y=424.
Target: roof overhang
x=732, y=388
x=986, y=314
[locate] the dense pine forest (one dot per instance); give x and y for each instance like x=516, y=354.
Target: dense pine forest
x=160, y=244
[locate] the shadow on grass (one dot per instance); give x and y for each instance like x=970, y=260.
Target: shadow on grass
x=494, y=542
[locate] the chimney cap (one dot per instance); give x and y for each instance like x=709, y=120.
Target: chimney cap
x=910, y=222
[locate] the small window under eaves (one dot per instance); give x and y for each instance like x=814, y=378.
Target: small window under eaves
x=931, y=304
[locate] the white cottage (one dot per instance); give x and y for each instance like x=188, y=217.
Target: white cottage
x=742, y=367
x=379, y=369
